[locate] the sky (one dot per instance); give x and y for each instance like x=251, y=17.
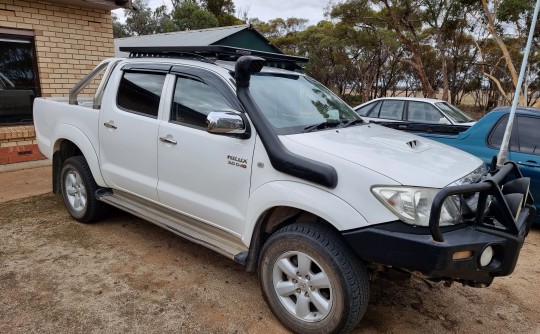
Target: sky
x=269, y=9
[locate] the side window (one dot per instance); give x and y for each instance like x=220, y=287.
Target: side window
x=374, y=112
x=363, y=111
x=423, y=113
x=529, y=134
x=193, y=100
x=497, y=133
x=140, y=92
x=392, y=109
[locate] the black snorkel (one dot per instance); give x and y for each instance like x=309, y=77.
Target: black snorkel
x=281, y=158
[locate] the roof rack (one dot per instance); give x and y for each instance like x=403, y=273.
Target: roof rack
x=213, y=52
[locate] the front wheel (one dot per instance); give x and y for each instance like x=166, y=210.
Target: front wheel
x=78, y=189
x=312, y=282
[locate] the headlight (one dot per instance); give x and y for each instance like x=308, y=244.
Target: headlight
x=413, y=205
x=472, y=177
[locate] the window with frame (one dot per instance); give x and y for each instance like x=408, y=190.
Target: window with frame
x=193, y=100
x=392, y=109
x=140, y=92
x=363, y=111
x=374, y=111
x=19, y=82
x=497, y=133
x=422, y=112
x=529, y=134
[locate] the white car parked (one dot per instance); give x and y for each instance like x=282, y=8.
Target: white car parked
x=269, y=168
x=413, y=109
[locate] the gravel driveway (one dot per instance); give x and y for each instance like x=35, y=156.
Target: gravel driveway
x=125, y=275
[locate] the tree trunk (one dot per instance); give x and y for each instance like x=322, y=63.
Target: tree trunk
x=417, y=63
x=504, y=49
x=444, y=69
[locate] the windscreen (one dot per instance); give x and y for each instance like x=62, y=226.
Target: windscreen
x=296, y=103
x=454, y=112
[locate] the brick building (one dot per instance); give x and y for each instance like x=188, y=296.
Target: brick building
x=45, y=48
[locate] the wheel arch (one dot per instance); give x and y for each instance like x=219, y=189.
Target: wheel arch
x=280, y=203
x=70, y=142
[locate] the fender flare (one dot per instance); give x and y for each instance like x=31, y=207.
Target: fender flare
x=77, y=137
x=317, y=201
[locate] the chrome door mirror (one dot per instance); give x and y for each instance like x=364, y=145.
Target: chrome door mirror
x=226, y=123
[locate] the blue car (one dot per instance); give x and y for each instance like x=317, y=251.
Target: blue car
x=484, y=139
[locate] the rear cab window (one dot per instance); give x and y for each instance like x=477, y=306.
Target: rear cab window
x=140, y=92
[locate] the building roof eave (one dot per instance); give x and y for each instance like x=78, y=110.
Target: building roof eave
x=101, y=4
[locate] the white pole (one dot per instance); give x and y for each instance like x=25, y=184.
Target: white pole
x=503, y=153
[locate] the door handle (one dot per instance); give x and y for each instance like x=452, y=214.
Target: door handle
x=529, y=163
x=168, y=139
x=110, y=125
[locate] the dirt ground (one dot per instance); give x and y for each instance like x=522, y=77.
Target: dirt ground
x=125, y=275
x=24, y=183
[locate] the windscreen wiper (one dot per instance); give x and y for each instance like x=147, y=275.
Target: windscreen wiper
x=321, y=126
x=353, y=122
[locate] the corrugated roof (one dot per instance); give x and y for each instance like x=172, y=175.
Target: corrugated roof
x=179, y=38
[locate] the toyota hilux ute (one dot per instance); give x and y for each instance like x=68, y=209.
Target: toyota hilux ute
x=235, y=150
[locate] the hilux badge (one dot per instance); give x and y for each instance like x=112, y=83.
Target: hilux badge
x=236, y=161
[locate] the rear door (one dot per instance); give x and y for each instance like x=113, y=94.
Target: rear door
x=391, y=110
x=203, y=175
x=422, y=112
x=129, y=132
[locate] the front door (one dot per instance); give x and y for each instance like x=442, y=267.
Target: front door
x=203, y=175
x=128, y=131
x=527, y=153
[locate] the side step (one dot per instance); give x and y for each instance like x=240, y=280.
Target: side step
x=192, y=229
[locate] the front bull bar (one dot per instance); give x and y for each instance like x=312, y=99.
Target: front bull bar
x=488, y=188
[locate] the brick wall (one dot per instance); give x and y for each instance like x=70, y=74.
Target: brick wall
x=18, y=144
x=69, y=40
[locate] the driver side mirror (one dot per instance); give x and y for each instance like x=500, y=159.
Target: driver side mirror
x=227, y=123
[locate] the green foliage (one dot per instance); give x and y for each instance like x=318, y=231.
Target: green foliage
x=329, y=61
x=279, y=27
x=283, y=33
x=190, y=16
x=119, y=29
x=514, y=10
x=185, y=15
x=163, y=20
x=374, y=48
x=140, y=22
x=218, y=7
x=223, y=10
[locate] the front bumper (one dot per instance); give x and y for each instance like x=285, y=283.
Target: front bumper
x=437, y=253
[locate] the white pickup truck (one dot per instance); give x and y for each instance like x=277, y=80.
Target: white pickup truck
x=231, y=149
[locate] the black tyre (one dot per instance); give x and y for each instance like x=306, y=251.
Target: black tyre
x=78, y=189
x=312, y=281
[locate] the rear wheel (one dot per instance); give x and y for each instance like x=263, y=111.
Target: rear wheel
x=312, y=281
x=78, y=189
